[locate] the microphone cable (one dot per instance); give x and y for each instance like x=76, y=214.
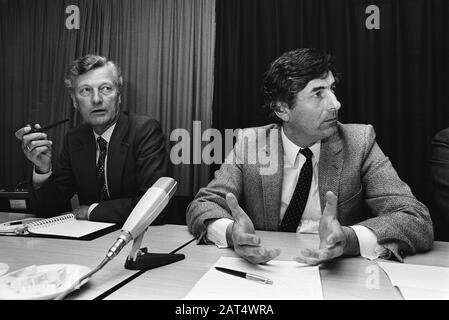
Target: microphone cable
x=79, y=283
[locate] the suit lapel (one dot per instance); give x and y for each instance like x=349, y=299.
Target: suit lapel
x=272, y=183
x=117, y=155
x=330, y=166
x=83, y=155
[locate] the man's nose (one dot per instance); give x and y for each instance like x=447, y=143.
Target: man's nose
x=97, y=98
x=332, y=101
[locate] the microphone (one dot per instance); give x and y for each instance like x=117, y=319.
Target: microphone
x=144, y=213
x=146, y=210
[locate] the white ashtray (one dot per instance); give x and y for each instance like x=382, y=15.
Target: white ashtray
x=41, y=282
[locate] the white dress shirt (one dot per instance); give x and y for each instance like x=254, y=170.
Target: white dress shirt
x=293, y=162
x=39, y=179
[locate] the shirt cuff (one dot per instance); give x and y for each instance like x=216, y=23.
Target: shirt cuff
x=216, y=232
x=40, y=178
x=309, y=226
x=369, y=248
x=89, y=210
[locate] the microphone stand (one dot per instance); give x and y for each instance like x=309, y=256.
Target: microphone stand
x=146, y=210
x=140, y=259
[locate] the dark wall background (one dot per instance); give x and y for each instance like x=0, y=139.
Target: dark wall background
x=394, y=78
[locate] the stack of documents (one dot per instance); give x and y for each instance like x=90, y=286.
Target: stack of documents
x=418, y=282
x=291, y=281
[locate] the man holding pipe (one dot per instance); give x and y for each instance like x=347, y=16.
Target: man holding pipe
x=109, y=161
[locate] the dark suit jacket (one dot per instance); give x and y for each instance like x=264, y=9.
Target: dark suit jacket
x=352, y=166
x=136, y=159
x=439, y=175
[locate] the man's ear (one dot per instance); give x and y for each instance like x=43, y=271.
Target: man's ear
x=283, y=111
x=75, y=104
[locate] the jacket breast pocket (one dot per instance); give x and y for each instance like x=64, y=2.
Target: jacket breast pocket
x=351, y=198
x=351, y=210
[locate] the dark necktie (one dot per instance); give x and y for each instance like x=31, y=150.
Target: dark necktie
x=101, y=181
x=295, y=208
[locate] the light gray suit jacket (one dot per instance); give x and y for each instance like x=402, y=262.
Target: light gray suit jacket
x=351, y=165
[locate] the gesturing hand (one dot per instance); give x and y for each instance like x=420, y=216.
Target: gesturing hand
x=243, y=236
x=332, y=238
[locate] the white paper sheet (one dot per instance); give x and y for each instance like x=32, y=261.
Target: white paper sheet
x=291, y=281
x=418, y=282
x=423, y=294
x=76, y=228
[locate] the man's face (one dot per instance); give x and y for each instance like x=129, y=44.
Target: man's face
x=97, y=98
x=314, y=114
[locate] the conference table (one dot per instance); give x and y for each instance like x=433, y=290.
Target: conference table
x=344, y=278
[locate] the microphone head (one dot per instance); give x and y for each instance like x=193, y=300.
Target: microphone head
x=150, y=206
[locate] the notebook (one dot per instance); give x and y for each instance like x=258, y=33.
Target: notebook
x=64, y=227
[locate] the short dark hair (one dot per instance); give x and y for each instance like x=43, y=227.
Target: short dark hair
x=90, y=62
x=290, y=73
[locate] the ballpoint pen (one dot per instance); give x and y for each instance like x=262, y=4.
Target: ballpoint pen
x=33, y=129
x=249, y=276
x=18, y=227
x=18, y=222
x=12, y=223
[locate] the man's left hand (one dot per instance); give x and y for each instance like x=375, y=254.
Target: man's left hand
x=334, y=239
x=80, y=213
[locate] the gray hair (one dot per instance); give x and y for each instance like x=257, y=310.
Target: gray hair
x=90, y=62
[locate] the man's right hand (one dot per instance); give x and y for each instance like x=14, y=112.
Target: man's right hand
x=242, y=236
x=36, y=147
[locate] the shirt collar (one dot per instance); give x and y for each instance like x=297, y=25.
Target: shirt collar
x=107, y=134
x=291, y=150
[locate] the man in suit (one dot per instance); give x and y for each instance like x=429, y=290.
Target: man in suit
x=109, y=161
x=439, y=176
x=309, y=173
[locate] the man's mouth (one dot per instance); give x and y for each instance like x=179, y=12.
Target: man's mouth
x=98, y=111
x=331, y=120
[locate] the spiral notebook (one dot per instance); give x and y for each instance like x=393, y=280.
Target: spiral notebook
x=64, y=227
